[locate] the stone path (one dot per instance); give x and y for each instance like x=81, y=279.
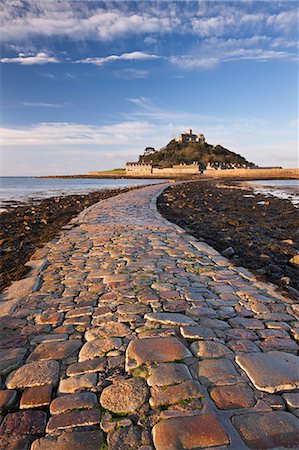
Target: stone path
x=131, y=334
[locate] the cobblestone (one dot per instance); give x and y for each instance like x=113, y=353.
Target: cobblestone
x=132, y=315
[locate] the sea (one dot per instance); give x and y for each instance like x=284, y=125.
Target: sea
x=285, y=189
x=15, y=191
x=21, y=190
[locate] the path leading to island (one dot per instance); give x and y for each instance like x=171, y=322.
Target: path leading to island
x=135, y=335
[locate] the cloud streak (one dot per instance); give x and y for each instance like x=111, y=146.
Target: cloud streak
x=30, y=59
x=132, y=56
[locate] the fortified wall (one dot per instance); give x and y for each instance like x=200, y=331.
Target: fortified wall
x=148, y=169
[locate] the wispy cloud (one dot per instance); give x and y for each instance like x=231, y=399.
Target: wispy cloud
x=131, y=74
x=30, y=59
x=109, y=20
x=132, y=56
x=41, y=105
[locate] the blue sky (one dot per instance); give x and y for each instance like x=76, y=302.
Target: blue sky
x=87, y=85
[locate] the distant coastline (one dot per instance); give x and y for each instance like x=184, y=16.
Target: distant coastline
x=254, y=174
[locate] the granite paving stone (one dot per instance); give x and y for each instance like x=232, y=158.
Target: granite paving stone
x=270, y=430
x=271, y=372
x=32, y=374
x=66, y=403
x=136, y=318
x=199, y=431
x=124, y=396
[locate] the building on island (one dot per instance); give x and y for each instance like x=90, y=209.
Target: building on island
x=144, y=169
x=190, y=137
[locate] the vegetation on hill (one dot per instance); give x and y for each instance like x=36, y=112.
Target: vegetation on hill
x=189, y=153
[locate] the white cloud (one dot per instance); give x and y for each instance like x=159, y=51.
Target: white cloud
x=133, y=56
x=64, y=133
x=29, y=59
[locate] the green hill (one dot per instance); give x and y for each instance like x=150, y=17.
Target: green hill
x=188, y=153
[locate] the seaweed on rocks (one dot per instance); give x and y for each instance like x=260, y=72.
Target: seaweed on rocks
x=26, y=227
x=255, y=231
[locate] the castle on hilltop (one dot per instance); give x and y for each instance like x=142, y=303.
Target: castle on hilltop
x=190, y=137
x=142, y=168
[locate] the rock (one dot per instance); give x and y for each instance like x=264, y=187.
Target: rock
x=238, y=395
x=124, y=396
x=89, y=366
x=164, y=349
x=34, y=397
x=98, y=347
x=51, y=318
x=271, y=372
x=168, y=373
x=243, y=346
x=73, y=419
x=57, y=350
x=77, y=383
x=292, y=402
x=210, y=349
x=34, y=374
x=30, y=423
x=170, y=395
x=229, y=251
x=44, y=338
x=294, y=261
x=66, y=403
x=170, y=319
x=216, y=371
x=7, y=400
x=276, y=343
x=196, y=332
x=199, y=431
x=251, y=324
x=268, y=430
x=108, y=329
x=126, y=438
x=71, y=440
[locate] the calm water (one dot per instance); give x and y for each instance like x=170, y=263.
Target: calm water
x=286, y=189
x=14, y=190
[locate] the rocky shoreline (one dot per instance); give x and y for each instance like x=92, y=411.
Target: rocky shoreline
x=255, y=231
x=27, y=227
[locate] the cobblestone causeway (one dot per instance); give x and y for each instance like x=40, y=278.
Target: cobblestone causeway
x=128, y=333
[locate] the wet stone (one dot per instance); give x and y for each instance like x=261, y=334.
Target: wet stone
x=238, y=395
x=170, y=395
x=89, y=366
x=216, y=372
x=168, y=373
x=199, y=431
x=124, y=396
x=170, y=319
x=77, y=383
x=73, y=419
x=209, y=349
x=98, y=347
x=34, y=397
x=271, y=372
x=66, y=403
x=165, y=349
x=7, y=399
x=71, y=440
x=34, y=374
x=57, y=350
x=268, y=430
x=196, y=332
